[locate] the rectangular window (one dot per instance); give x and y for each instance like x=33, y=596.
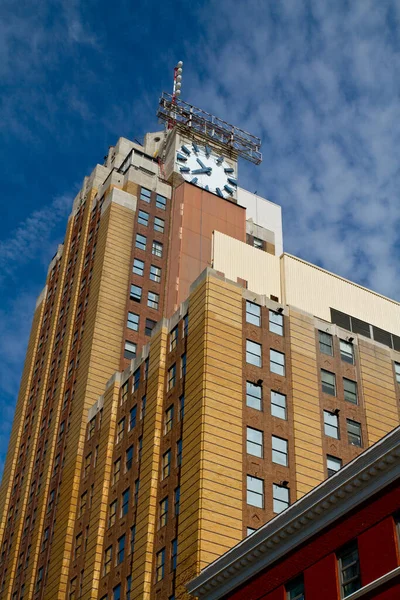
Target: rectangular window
x=397, y=371
x=121, y=549
x=257, y=243
x=136, y=380
x=155, y=273
x=133, y=535
x=254, y=442
x=132, y=417
x=137, y=486
x=117, y=592
x=129, y=350
x=133, y=321
x=278, y=405
x=113, y=513
x=177, y=499
x=253, y=353
x=125, y=392
x=82, y=506
x=325, y=343
x=350, y=390
x=331, y=424
x=153, y=300
x=354, y=433
x=179, y=453
x=163, y=512
x=333, y=465
x=253, y=313
x=181, y=413
x=280, y=498
x=349, y=569
x=171, y=377
x=143, y=218
x=253, y=395
x=183, y=365
x=277, y=362
x=185, y=325
x=120, y=429
x=116, y=471
x=295, y=589
x=157, y=249
x=128, y=587
x=166, y=464
x=149, y=326
x=143, y=407
x=169, y=419
x=138, y=267
x=275, y=322
x=347, y=352
x=160, y=565
x=279, y=451
x=174, y=554
x=159, y=224
x=78, y=545
x=107, y=560
x=128, y=459
x=255, y=491
x=136, y=293
x=88, y=462
x=328, y=381
x=140, y=241
x=173, y=338
x=161, y=202
x=145, y=195
x=125, y=502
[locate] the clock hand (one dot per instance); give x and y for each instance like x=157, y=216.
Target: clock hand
x=203, y=166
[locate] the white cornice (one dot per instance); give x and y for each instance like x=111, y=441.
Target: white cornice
x=372, y=471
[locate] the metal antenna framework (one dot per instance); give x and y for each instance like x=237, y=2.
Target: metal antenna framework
x=188, y=118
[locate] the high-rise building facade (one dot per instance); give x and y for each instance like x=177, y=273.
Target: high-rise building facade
x=185, y=380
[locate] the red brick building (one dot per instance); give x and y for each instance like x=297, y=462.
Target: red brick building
x=339, y=541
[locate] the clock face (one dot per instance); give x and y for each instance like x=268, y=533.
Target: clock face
x=201, y=166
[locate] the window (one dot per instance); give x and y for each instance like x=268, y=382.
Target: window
x=173, y=338
x=350, y=390
x=133, y=535
x=169, y=418
x=125, y=392
x=140, y=241
x=136, y=293
x=155, y=273
x=125, y=502
x=72, y=588
x=163, y=512
x=157, y=249
x=107, y=560
x=255, y=491
x=116, y=471
x=333, y=465
x=117, y=592
x=279, y=451
x=275, y=322
x=166, y=464
x=138, y=267
x=183, y=365
x=128, y=459
x=177, y=500
x=254, y=442
x=331, y=424
x=161, y=202
x=120, y=430
x=185, y=325
x=159, y=224
x=397, y=371
x=257, y=243
x=253, y=395
x=136, y=380
x=253, y=313
x=160, y=565
x=152, y=300
x=143, y=218
x=149, y=326
x=179, y=453
x=349, y=569
x=328, y=381
x=137, y=485
x=280, y=498
x=143, y=407
x=78, y=545
x=295, y=589
x=132, y=417
x=277, y=362
x=181, y=413
x=171, y=377
x=113, y=513
x=129, y=350
x=174, y=554
x=278, y=405
x=354, y=433
x=325, y=343
x=145, y=195
x=133, y=321
x=253, y=353
x=121, y=549
x=128, y=587
x=347, y=352
x=88, y=462
x=39, y=579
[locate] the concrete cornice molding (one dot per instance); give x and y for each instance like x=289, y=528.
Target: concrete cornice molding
x=372, y=471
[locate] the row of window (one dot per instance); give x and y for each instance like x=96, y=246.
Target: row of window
x=143, y=219
x=164, y=508
x=255, y=446
x=141, y=243
x=161, y=201
x=153, y=300
x=171, y=381
x=328, y=382
x=253, y=316
x=255, y=494
x=326, y=347
x=254, y=357
x=331, y=428
x=138, y=269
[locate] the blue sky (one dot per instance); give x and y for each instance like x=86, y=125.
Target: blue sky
x=317, y=81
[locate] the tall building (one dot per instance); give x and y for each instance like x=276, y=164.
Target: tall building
x=185, y=380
